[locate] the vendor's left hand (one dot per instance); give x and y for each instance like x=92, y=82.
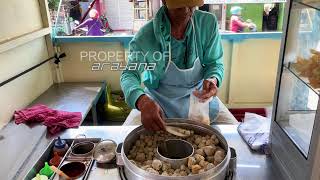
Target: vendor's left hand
x=209, y=90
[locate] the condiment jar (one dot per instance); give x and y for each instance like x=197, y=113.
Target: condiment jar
x=55, y=161
x=60, y=147
x=46, y=170
x=40, y=177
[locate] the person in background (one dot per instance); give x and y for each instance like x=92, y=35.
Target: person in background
x=236, y=23
x=75, y=10
x=270, y=17
x=93, y=24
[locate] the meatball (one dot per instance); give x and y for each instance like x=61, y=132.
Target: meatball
x=203, y=163
x=200, y=151
x=191, y=162
x=142, y=136
x=148, y=162
x=216, y=141
x=197, y=140
x=210, y=159
x=201, y=145
x=149, y=157
x=198, y=158
x=183, y=167
x=140, y=157
x=209, y=142
x=156, y=164
x=195, y=169
x=151, y=170
x=149, y=143
x=140, y=150
x=138, y=143
x=183, y=173
x=219, y=156
x=210, y=166
x=209, y=150
x=170, y=171
x=165, y=166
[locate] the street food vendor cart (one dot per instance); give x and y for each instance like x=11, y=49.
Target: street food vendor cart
x=294, y=137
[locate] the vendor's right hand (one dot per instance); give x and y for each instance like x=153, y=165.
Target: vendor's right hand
x=151, y=114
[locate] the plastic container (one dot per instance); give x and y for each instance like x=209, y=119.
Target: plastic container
x=40, y=177
x=55, y=161
x=46, y=170
x=60, y=147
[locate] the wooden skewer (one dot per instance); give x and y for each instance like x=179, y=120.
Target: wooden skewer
x=59, y=172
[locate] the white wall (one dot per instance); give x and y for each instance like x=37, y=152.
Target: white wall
x=253, y=73
x=18, y=18
x=224, y=89
x=75, y=70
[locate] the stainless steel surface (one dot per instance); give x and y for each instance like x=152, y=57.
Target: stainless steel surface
x=22, y=145
x=48, y=151
x=217, y=173
x=232, y=169
x=250, y=165
x=233, y=160
x=119, y=160
x=69, y=157
x=170, y=151
x=72, y=97
x=105, y=151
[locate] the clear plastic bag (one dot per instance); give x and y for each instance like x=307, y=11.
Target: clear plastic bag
x=199, y=111
x=255, y=130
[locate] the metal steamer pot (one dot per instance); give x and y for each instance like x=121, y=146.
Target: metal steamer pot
x=217, y=173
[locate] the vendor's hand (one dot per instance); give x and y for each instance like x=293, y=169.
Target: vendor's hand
x=151, y=114
x=209, y=90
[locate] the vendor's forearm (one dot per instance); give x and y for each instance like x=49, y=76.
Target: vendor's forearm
x=131, y=87
x=215, y=71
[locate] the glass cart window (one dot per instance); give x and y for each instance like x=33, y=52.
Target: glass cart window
x=296, y=110
x=300, y=79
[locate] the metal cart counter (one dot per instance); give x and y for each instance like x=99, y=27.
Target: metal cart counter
x=250, y=165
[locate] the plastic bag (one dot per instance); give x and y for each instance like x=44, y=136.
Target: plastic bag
x=199, y=111
x=255, y=130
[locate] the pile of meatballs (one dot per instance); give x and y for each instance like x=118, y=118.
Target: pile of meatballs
x=207, y=155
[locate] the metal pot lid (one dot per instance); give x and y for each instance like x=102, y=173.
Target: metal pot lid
x=105, y=151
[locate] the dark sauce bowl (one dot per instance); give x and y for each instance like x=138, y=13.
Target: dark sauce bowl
x=74, y=169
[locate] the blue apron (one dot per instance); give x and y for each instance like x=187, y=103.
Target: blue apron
x=173, y=93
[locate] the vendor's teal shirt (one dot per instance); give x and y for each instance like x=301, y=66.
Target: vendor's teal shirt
x=151, y=45
x=180, y=53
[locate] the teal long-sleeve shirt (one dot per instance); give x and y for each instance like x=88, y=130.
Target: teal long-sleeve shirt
x=151, y=46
